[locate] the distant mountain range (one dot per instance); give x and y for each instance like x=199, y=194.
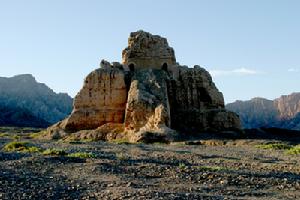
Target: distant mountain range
x=283, y=112
x=25, y=102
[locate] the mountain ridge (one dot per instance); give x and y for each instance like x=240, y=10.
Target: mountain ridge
x=24, y=95
x=282, y=112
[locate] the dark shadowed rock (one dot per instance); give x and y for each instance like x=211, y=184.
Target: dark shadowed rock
x=29, y=103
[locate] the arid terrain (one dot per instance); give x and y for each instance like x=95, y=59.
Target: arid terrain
x=202, y=169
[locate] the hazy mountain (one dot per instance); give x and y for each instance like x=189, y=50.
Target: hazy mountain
x=25, y=101
x=283, y=112
x=13, y=116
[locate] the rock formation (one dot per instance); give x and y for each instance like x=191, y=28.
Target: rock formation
x=149, y=97
x=282, y=112
x=101, y=100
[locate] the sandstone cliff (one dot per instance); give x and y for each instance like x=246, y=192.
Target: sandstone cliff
x=149, y=97
x=288, y=106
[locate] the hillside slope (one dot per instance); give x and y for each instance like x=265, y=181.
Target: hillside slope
x=24, y=101
x=283, y=112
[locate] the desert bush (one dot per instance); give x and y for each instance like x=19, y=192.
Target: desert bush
x=295, y=150
x=36, y=134
x=21, y=147
x=16, y=137
x=120, y=141
x=82, y=155
x=276, y=146
x=74, y=140
x=54, y=152
x=181, y=166
x=4, y=134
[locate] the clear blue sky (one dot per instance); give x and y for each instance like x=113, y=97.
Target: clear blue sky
x=252, y=48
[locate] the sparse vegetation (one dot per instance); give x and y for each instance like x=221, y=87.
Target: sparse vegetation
x=121, y=156
x=4, y=134
x=54, y=152
x=36, y=135
x=120, y=141
x=21, y=147
x=16, y=137
x=82, y=155
x=72, y=140
x=289, y=149
x=182, y=166
x=294, y=150
x=275, y=146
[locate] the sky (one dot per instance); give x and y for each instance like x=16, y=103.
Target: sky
x=250, y=47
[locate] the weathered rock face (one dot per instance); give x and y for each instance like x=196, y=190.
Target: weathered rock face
x=196, y=103
x=288, y=105
x=147, y=104
x=147, y=98
x=101, y=100
x=147, y=51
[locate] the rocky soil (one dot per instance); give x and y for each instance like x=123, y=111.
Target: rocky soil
x=204, y=169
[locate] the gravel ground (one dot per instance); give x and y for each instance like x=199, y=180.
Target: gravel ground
x=214, y=169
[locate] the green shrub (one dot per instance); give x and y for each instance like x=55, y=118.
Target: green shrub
x=16, y=137
x=82, y=155
x=4, y=134
x=36, y=135
x=294, y=150
x=54, y=152
x=21, y=147
x=120, y=141
x=182, y=166
x=276, y=146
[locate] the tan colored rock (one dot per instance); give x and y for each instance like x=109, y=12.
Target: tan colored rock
x=147, y=104
x=288, y=106
x=101, y=100
x=147, y=117
x=193, y=88
x=156, y=101
x=146, y=51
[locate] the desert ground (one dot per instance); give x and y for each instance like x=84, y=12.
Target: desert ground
x=198, y=169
